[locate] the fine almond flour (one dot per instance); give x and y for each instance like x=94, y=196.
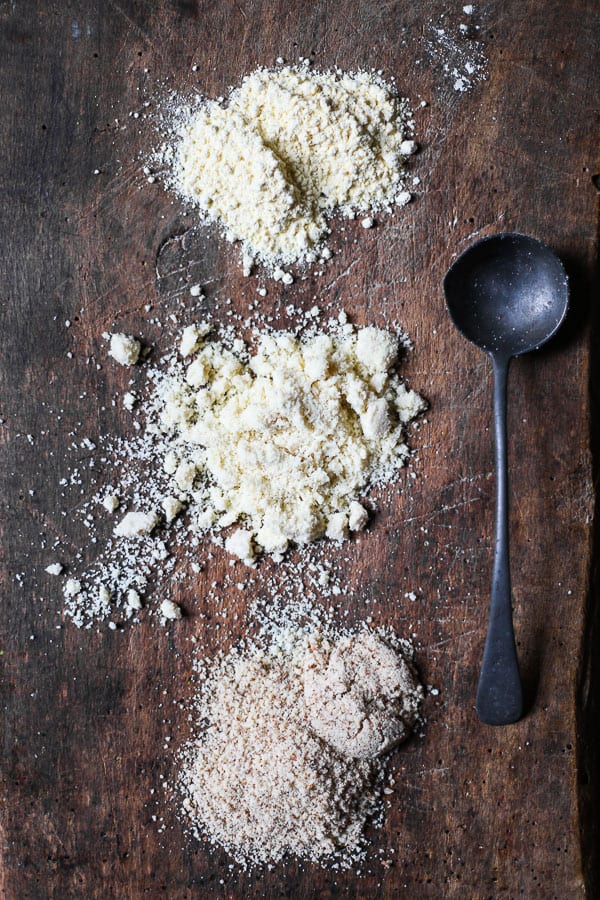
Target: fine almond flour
x=285, y=150
x=268, y=773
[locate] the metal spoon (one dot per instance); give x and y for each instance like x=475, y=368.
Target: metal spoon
x=508, y=294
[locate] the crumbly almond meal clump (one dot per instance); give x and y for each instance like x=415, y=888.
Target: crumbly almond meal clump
x=360, y=694
x=266, y=775
x=287, y=148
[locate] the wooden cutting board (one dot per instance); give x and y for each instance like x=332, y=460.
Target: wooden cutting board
x=478, y=812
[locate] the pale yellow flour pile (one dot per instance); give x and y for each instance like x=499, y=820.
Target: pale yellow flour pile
x=288, y=147
x=285, y=442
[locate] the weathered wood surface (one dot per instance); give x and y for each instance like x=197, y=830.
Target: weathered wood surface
x=479, y=812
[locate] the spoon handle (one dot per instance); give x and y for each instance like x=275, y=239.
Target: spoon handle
x=499, y=695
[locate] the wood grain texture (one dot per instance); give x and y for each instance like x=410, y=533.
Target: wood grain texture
x=479, y=812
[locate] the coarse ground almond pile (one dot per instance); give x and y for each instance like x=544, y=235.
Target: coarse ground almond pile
x=288, y=756
x=285, y=150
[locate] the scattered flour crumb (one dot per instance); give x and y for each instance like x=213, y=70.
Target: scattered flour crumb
x=172, y=506
x=240, y=544
x=337, y=527
x=129, y=399
x=134, y=601
x=170, y=610
x=110, y=502
x=124, y=349
x=135, y=524
x=72, y=587
x=407, y=148
x=191, y=338
x=357, y=516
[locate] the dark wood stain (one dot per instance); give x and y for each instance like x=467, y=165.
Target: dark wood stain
x=479, y=812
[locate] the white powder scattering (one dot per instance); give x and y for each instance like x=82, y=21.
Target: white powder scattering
x=270, y=772
x=124, y=349
x=461, y=57
x=54, y=569
x=287, y=149
x=286, y=443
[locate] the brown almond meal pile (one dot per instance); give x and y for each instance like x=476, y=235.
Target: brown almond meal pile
x=289, y=757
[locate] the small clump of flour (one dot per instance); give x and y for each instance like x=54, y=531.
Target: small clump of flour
x=267, y=774
x=285, y=150
x=124, y=348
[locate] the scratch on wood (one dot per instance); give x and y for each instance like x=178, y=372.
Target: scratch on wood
x=343, y=274
x=454, y=637
x=131, y=22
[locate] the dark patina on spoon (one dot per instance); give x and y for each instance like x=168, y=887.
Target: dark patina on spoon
x=508, y=294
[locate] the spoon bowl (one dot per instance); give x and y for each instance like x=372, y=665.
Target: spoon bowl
x=508, y=294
